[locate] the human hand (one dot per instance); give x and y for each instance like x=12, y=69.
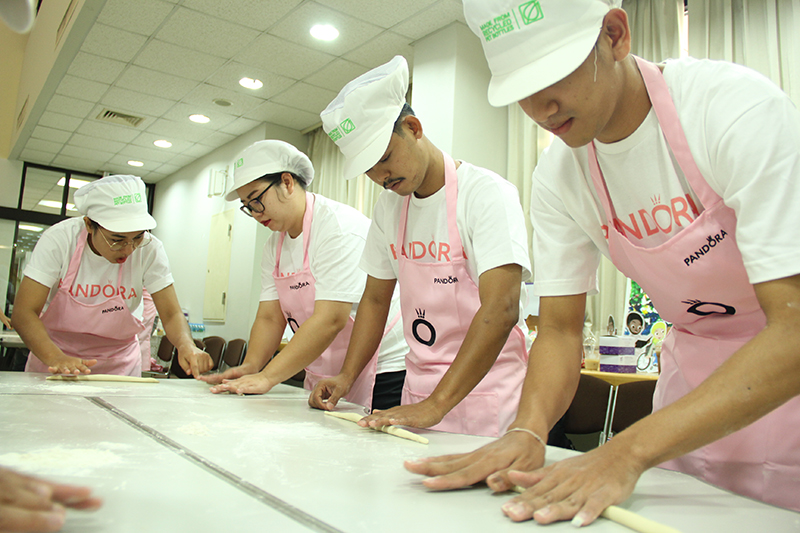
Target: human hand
x=578, y=488
x=230, y=374
x=64, y=364
x=490, y=463
x=31, y=504
x=5, y=320
x=327, y=392
x=194, y=361
x=250, y=384
x=419, y=415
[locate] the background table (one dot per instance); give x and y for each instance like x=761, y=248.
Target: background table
x=172, y=457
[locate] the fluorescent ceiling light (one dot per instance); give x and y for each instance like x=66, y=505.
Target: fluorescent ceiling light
x=200, y=119
x=161, y=143
x=56, y=205
x=324, y=32
x=250, y=83
x=136, y=163
x=73, y=183
x=26, y=227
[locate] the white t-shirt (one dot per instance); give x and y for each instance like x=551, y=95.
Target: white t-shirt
x=97, y=277
x=338, y=235
x=744, y=135
x=489, y=219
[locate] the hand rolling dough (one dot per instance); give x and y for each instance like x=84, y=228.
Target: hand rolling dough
x=391, y=430
x=100, y=377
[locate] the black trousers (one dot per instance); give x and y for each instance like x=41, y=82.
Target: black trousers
x=388, y=389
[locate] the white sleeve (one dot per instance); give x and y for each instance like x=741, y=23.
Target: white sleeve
x=376, y=260
x=156, y=275
x=51, y=256
x=334, y=264
x=268, y=291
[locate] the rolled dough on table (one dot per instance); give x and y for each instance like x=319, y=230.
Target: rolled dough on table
x=391, y=430
x=100, y=377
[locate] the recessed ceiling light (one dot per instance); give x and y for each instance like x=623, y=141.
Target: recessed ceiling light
x=73, y=182
x=161, y=143
x=250, y=83
x=200, y=119
x=136, y=163
x=26, y=227
x=324, y=32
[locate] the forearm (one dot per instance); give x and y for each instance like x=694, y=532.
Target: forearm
x=373, y=312
x=33, y=333
x=177, y=330
x=265, y=339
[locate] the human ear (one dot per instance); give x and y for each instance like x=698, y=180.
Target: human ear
x=288, y=180
x=617, y=30
x=414, y=125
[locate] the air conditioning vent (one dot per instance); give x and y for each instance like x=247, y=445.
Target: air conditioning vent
x=115, y=117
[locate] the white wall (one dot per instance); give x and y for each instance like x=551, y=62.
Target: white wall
x=10, y=178
x=183, y=211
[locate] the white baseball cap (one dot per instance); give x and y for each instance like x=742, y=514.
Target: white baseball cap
x=530, y=45
x=361, y=117
x=269, y=157
x=118, y=203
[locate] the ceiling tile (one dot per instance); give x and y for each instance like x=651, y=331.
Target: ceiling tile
x=336, y=75
x=284, y=116
x=180, y=114
x=81, y=89
x=287, y=59
x=59, y=121
x=114, y=43
x=95, y=128
x=436, y=17
x=240, y=126
x=142, y=16
x=166, y=57
x=70, y=106
x=381, y=49
x=181, y=160
x=136, y=103
x=184, y=130
x=167, y=169
x=251, y=13
x=146, y=139
x=205, y=33
x=228, y=77
x=156, y=83
x=78, y=163
x=198, y=150
x=49, y=134
x=43, y=146
x=34, y=156
x=96, y=143
x=217, y=139
x=203, y=97
x=95, y=68
x=119, y=165
x=146, y=155
x=86, y=153
x=384, y=14
x=352, y=32
x=307, y=97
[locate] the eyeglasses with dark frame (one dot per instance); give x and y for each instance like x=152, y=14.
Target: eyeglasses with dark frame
x=140, y=241
x=255, y=205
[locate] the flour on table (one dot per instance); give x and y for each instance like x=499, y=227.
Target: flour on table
x=195, y=428
x=60, y=460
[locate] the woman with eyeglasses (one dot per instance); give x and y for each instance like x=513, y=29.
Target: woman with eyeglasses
x=78, y=308
x=310, y=280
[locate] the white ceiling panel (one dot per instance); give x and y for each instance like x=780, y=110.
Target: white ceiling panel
x=95, y=143
x=284, y=116
x=352, y=32
x=336, y=75
x=50, y=134
x=204, y=95
x=70, y=106
x=147, y=155
x=95, y=128
x=381, y=49
x=128, y=101
x=59, y=121
x=95, y=68
x=82, y=88
x=78, y=163
x=180, y=114
x=156, y=83
x=256, y=14
x=287, y=59
x=113, y=43
x=228, y=77
x=171, y=130
x=146, y=139
x=304, y=96
x=240, y=125
x=217, y=139
x=167, y=169
x=142, y=16
x=384, y=14
x=205, y=33
x=41, y=145
x=35, y=156
x=197, y=150
x=86, y=153
x=177, y=60
x=436, y=17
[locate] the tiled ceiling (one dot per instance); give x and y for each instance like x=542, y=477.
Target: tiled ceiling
x=165, y=60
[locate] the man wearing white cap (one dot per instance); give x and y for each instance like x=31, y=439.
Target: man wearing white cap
x=453, y=236
x=685, y=176
x=88, y=274
x=310, y=279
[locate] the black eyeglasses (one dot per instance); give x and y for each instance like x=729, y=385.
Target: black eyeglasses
x=255, y=205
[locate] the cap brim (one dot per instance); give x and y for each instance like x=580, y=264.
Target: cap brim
x=369, y=156
x=139, y=223
x=537, y=75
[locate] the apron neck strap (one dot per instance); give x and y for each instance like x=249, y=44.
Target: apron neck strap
x=306, y=235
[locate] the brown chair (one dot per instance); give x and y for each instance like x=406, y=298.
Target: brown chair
x=233, y=354
x=634, y=402
x=165, y=351
x=175, y=368
x=587, y=412
x=215, y=346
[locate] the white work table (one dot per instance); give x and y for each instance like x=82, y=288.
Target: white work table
x=172, y=457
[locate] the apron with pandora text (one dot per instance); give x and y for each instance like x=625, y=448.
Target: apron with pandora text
x=438, y=302
x=697, y=281
x=105, y=331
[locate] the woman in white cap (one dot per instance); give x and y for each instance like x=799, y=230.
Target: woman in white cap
x=310, y=280
x=88, y=274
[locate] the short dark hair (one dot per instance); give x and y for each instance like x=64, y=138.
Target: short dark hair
x=276, y=177
x=398, y=124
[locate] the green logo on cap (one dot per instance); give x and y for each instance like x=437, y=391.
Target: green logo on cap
x=347, y=126
x=530, y=12
x=128, y=199
x=239, y=162
x=335, y=134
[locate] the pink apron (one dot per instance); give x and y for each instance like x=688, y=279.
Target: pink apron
x=439, y=301
x=105, y=331
x=697, y=281
x=296, y=294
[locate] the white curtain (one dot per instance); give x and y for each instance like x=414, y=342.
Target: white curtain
x=761, y=34
x=328, y=161
x=655, y=28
